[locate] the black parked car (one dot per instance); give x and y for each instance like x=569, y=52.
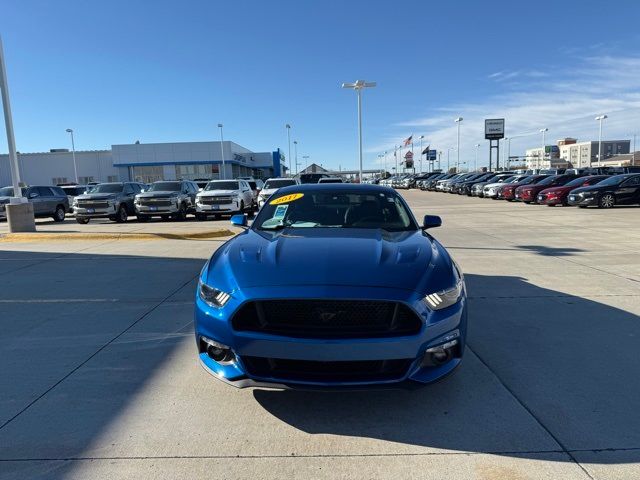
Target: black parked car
x=615, y=190
x=107, y=200
x=464, y=188
x=47, y=201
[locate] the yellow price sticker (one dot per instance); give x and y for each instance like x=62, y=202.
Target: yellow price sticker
x=286, y=199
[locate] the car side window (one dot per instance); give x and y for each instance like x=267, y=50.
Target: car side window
x=632, y=182
x=128, y=189
x=45, y=192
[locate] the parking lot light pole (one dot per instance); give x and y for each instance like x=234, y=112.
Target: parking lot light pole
x=306, y=160
x=421, y=137
x=544, y=146
x=385, y=162
x=295, y=147
x=288, y=127
x=476, y=164
x=358, y=85
x=224, y=173
x=599, y=118
x=458, y=122
x=73, y=154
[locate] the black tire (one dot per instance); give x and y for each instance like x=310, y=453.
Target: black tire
x=241, y=206
x=201, y=217
x=582, y=206
x=216, y=217
x=122, y=215
x=82, y=221
x=181, y=216
x=58, y=215
x=142, y=218
x=608, y=200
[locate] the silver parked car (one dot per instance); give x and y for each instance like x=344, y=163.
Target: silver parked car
x=224, y=197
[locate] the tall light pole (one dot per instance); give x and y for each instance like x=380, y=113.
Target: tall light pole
x=421, y=137
x=476, y=164
x=224, y=173
x=395, y=155
x=73, y=154
x=599, y=118
x=458, y=122
x=295, y=147
x=358, y=85
x=288, y=127
x=380, y=155
x=306, y=160
x=8, y=122
x=439, y=157
x=448, y=164
x=544, y=145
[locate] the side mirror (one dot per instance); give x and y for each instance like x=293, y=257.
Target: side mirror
x=33, y=195
x=431, y=221
x=239, y=221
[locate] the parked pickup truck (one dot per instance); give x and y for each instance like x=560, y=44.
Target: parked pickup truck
x=47, y=201
x=167, y=199
x=107, y=200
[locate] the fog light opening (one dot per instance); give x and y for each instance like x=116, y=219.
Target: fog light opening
x=218, y=352
x=440, y=354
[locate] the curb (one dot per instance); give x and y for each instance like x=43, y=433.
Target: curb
x=41, y=237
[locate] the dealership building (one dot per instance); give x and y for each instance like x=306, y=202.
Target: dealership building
x=146, y=162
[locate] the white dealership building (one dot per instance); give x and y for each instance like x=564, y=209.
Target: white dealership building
x=145, y=162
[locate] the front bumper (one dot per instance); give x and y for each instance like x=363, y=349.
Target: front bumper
x=217, y=208
x=81, y=212
x=214, y=323
x=151, y=210
x=580, y=200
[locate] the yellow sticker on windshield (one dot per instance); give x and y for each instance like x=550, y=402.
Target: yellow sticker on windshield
x=286, y=199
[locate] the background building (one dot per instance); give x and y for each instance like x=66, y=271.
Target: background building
x=582, y=153
x=144, y=162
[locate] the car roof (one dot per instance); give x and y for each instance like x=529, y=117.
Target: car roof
x=342, y=187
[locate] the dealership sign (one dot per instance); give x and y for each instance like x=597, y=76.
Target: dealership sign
x=494, y=128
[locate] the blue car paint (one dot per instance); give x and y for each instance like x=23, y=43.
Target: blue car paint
x=330, y=263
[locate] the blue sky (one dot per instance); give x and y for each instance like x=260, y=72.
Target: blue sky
x=161, y=71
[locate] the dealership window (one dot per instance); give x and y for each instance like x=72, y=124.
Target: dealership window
x=59, y=180
x=112, y=178
x=85, y=180
x=147, y=174
x=197, y=170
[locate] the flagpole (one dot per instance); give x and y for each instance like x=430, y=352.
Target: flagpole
x=414, y=165
x=421, y=153
x=395, y=154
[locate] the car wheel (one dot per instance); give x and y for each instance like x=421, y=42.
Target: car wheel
x=200, y=217
x=216, y=217
x=582, y=206
x=607, y=201
x=122, y=216
x=241, y=206
x=58, y=215
x=82, y=221
x=181, y=216
x=142, y=218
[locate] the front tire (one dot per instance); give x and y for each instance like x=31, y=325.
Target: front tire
x=142, y=218
x=607, y=201
x=122, y=216
x=82, y=221
x=181, y=216
x=201, y=217
x=58, y=215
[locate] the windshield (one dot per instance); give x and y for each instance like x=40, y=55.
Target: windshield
x=577, y=182
x=8, y=191
x=223, y=185
x=165, y=187
x=615, y=180
x=107, y=188
x=548, y=181
x=336, y=209
x=278, y=183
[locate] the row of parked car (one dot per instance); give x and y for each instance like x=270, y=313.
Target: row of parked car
x=117, y=201
x=599, y=187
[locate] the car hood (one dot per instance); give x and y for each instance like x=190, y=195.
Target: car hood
x=322, y=256
x=268, y=191
x=96, y=196
x=215, y=193
x=158, y=194
x=560, y=189
x=494, y=185
x=591, y=188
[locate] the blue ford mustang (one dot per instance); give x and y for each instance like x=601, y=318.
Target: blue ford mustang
x=333, y=285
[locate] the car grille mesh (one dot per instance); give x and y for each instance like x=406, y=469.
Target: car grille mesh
x=152, y=202
x=327, y=318
x=215, y=200
x=92, y=204
x=318, y=371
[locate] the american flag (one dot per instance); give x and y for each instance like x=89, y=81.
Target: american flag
x=408, y=141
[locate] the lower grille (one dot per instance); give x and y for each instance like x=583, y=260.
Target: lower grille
x=314, y=371
x=156, y=203
x=327, y=318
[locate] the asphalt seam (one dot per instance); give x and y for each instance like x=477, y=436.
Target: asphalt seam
x=319, y=455
x=84, y=362
x=530, y=412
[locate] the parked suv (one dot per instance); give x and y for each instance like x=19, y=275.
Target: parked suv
x=224, y=196
x=47, y=201
x=107, y=200
x=167, y=199
x=272, y=185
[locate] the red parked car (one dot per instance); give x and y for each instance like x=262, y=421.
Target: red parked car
x=559, y=195
x=508, y=192
x=529, y=193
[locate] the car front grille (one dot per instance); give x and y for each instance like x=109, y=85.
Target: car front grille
x=155, y=202
x=327, y=318
x=317, y=371
x=93, y=204
x=215, y=200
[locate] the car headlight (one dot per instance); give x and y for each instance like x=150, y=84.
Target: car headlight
x=75, y=202
x=446, y=298
x=212, y=296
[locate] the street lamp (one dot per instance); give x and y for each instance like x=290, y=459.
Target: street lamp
x=288, y=127
x=358, y=85
x=73, y=154
x=224, y=173
x=295, y=146
x=421, y=137
x=306, y=160
x=385, y=162
x=599, y=118
x=544, y=146
x=380, y=155
x=458, y=122
x=476, y=164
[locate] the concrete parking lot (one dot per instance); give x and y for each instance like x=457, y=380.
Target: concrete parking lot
x=99, y=377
